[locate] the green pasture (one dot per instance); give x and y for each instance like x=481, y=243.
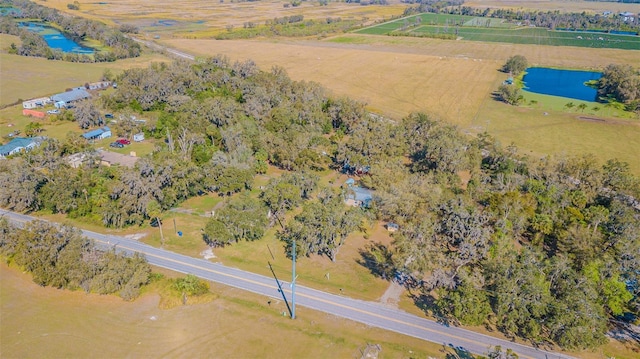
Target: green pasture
x=546, y=126
x=201, y=204
x=537, y=36
x=497, y=30
x=487, y=22
x=11, y=120
x=430, y=19
x=426, y=19
x=382, y=29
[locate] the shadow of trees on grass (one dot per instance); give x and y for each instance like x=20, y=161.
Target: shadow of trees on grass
x=378, y=258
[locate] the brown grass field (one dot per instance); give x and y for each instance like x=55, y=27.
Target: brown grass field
x=42, y=322
x=198, y=18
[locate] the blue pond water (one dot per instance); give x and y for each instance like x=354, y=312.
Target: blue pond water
x=563, y=83
x=55, y=39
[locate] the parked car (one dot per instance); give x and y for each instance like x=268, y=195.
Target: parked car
x=124, y=141
x=108, y=115
x=116, y=144
x=53, y=112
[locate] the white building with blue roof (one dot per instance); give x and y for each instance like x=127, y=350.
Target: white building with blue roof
x=19, y=144
x=357, y=196
x=98, y=133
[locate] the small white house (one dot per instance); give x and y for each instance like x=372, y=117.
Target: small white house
x=138, y=137
x=36, y=102
x=99, y=85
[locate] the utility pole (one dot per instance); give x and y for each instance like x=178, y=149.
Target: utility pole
x=293, y=281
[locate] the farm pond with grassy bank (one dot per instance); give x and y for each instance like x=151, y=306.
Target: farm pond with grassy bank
x=56, y=39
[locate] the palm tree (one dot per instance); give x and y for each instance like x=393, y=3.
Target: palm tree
x=569, y=105
x=582, y=106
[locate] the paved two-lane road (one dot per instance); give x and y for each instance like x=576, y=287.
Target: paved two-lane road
x=370, y=313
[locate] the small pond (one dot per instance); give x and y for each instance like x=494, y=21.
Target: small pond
x=9, y=11
x=55, y=39
x=563, y=83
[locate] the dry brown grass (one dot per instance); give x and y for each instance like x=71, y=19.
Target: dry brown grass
x=49, y=323
x=394, y=82
x=197, y=18
x=398, y=76
x=452, y=80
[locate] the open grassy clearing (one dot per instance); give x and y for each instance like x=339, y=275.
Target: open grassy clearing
x=44, y=322
x=199, y=18
x=539, y=130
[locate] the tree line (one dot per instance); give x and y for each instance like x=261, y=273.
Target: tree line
x=289, y=26
x=77, y=28
x=545, y=249
x=62, y=258
x=548, y=19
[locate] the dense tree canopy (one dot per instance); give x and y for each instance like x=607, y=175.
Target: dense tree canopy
x=510, y=246
x=515, y=65
x=61, y=257
x=621, y=83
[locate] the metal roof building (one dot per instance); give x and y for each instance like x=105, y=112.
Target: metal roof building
x=18, y=144
x=98, y=133
x=71, y=96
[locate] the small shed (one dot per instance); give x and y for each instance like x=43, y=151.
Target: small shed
x=99, y=85
x=392, y=227
x=138, y=137
x=33, y=113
